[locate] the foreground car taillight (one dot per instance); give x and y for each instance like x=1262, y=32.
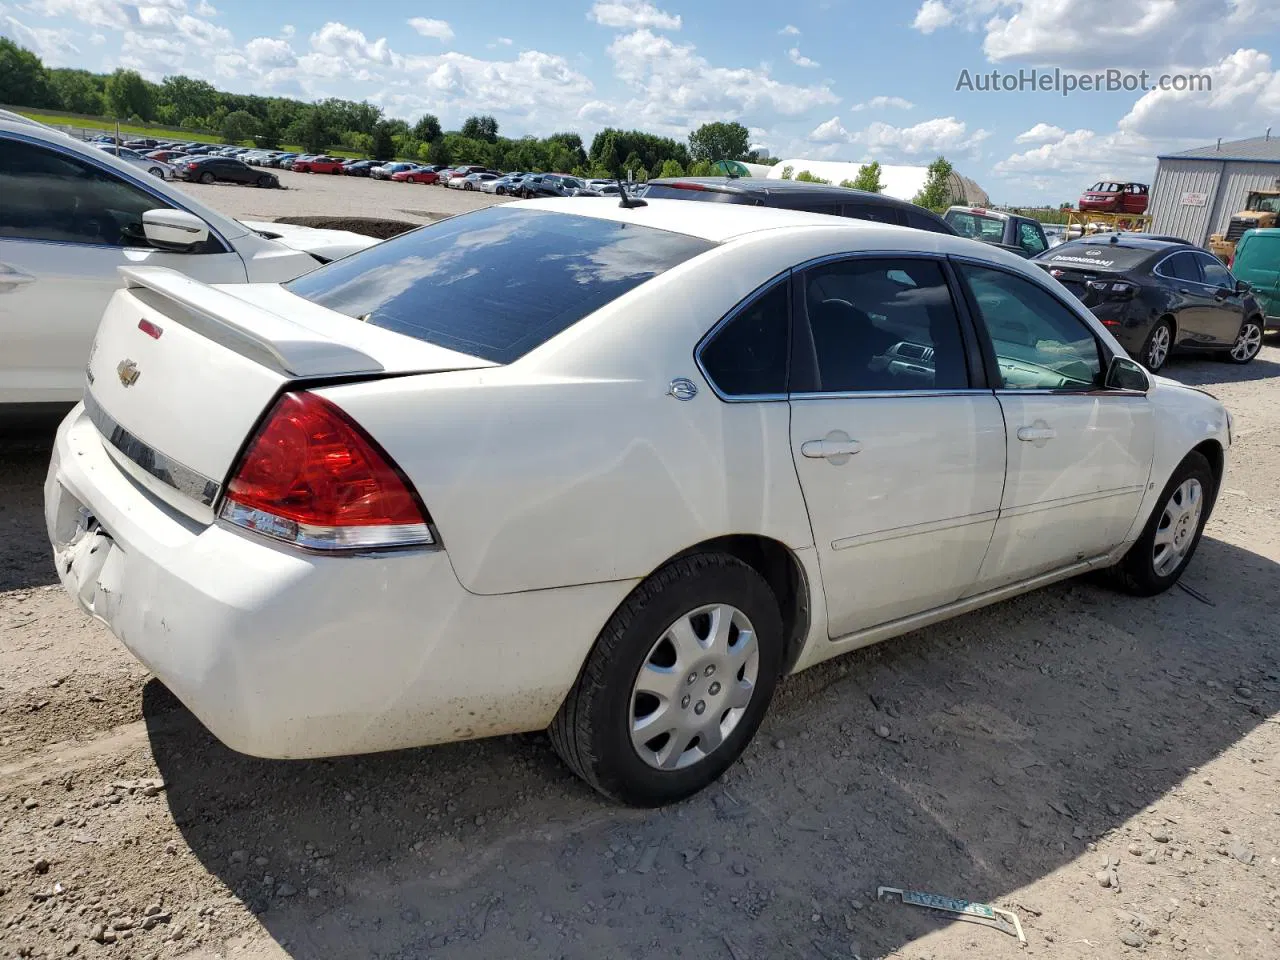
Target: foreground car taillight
x=312, y=477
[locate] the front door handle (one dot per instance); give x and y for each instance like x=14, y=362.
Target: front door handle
x=836, y=446
x=1037, y=433
x=11, y=278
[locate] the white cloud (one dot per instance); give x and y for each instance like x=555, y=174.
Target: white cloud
x=288, y=30
x=632, y=15
x=933, y=15
x=1086, y=155
x=206, y=9
x=268, y=53
x=799, y=59
x=436, y=29
x=677, y=88
x=829, y=131
x=348, y=44
x=98, y=39
x=161, y=17
x=54, y=47
x=505, y=41
x=883, y=103
x=790, y=30
x=1244, y=101
x=1041, y=133
x=939, y=135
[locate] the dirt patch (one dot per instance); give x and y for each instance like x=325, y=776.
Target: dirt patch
x=365, y=226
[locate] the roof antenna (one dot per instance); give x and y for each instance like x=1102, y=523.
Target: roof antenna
x=628, y=202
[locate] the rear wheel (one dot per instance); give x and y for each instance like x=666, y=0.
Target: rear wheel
x=1168, y=542
x=676, y=684
x=156, y=172
x=266, y=180
x=207, y=177
x=1248, y=342
x=1156, y=350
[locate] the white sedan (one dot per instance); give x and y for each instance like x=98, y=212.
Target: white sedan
x=426, y=494
x=71, y=215
x=157, y=168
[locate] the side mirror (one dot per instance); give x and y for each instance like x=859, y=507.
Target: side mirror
x=1243, y=286
x=1125, y=374
x=174, y=230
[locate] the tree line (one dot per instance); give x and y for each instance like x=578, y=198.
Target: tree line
x=190, y=104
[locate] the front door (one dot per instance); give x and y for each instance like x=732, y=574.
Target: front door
x=1226, y=307
x=899, y=455
x=1079, y=457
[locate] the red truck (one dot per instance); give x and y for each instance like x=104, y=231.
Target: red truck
x=1112, y=196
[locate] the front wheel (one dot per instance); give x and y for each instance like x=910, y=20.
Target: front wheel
x=1248, y=342
x=1156, y=350
x=266, y=180
x=156, y=172
x=676, y=684
x=1156, y=560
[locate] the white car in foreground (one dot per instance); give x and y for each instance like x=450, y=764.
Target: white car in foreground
x=427, y=493
x=71, y=215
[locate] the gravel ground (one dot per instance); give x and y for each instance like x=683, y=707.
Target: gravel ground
x=1105, y=767
x=315, y=194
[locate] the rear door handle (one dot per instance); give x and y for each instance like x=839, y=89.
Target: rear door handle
x=836, y=447
x=1032, y=434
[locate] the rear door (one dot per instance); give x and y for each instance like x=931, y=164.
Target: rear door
x=899, y=448
x=1079, y=457
x=66, y=227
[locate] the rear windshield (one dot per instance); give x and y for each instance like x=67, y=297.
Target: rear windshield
x=1104, y=257
x=498, y=282
x=668, y=191
x=975, y=226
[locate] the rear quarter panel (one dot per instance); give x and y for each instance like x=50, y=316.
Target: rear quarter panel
x=573, y=465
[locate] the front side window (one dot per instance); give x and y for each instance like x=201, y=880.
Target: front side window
x=975, y=226
x=1039, y=343
x=499, y=282
x=56, y=197
x=748, y=355
x=883, y=325
x=1029, y=239
x=1215, y=274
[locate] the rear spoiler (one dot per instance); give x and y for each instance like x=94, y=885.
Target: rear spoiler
x=264, y=337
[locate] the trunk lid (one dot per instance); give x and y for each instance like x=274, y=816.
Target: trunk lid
x=181, y=372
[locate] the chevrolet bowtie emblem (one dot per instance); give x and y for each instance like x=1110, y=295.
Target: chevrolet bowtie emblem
x=128, y=372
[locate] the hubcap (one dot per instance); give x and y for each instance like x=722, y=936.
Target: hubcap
x=1248, y=343
x=694, y=687
x=1176, y=531
x=1159, y=348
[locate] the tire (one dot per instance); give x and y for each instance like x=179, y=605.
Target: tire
x=1158, y=346
x=593, y=731
x=1142, y=572
x=265, y=181
x=500, y=190
x=156, y=172
x=207, y=177
x=1248, y=342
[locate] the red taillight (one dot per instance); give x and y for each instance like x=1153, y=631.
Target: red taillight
x=150, y=329
x=687, y=186
x=1111, y=323
x=311, y=476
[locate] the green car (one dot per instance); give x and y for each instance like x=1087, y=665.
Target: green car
x=1257, y=262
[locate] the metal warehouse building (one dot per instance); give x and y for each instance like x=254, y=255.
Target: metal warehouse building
x=1196, y=192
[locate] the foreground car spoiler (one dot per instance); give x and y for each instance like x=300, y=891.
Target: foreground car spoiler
x=251, y=331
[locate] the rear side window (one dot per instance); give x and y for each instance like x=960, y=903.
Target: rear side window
x=747, y=357
x=1181, y=266
x=497, y=283
x=876, y=213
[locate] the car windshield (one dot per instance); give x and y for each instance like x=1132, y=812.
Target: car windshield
x=1102, y=257
x=975, y=226
x=498, y=282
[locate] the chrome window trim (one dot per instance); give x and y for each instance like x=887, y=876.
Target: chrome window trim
x=149, y=460
x=110, y=171
x=889, y=394
x=760, y=291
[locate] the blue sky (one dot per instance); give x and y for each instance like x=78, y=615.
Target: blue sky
x=822, y=79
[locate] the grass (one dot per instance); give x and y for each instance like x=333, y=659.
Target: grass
x=154, y=132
